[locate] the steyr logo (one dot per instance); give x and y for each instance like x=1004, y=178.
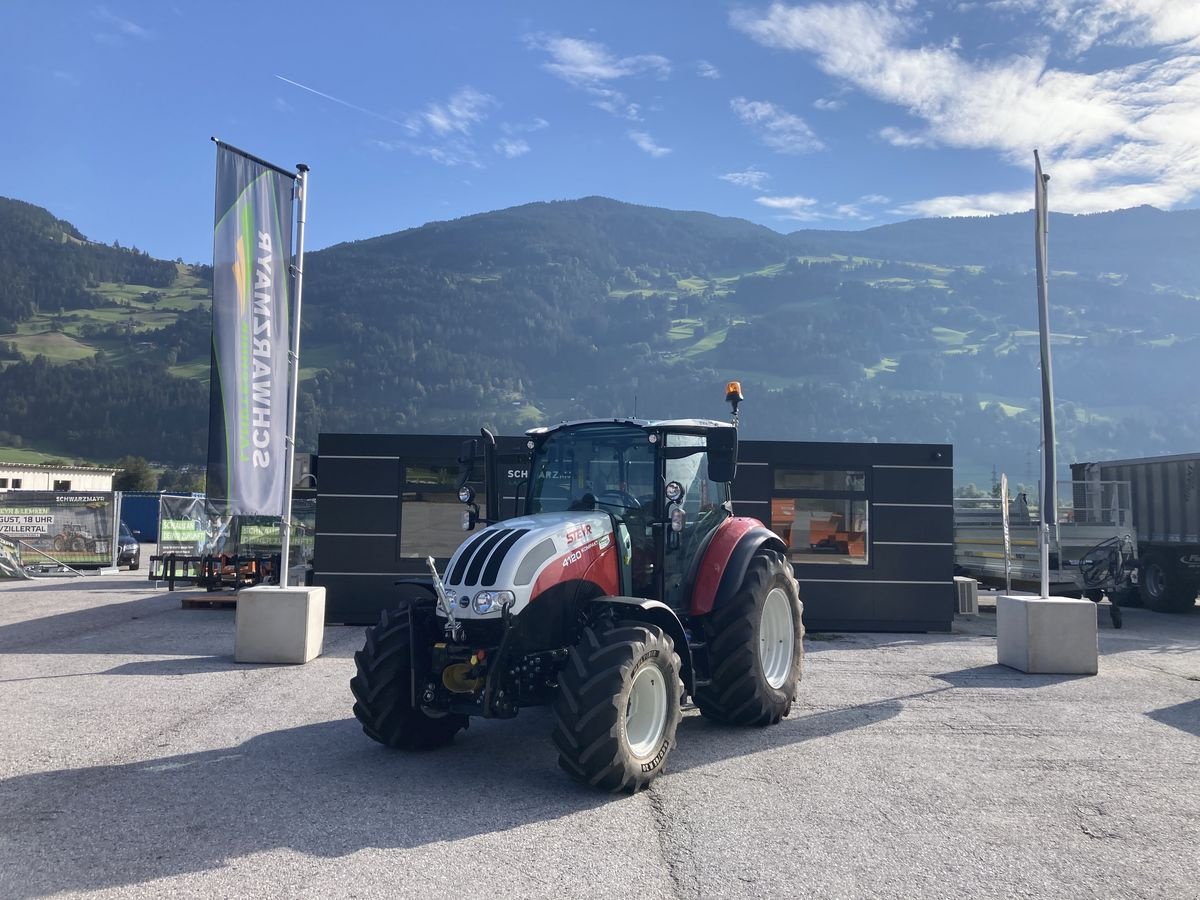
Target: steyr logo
x=579, y=533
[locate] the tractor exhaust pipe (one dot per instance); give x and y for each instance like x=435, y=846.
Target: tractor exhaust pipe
x=491, y=477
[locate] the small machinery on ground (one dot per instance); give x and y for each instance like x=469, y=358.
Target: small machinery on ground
x=626, y=586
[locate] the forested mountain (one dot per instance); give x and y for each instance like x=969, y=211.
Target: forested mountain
x=920, y=331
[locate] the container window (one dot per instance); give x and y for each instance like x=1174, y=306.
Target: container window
x=822, y=515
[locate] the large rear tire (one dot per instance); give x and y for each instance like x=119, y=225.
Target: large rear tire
x=617, y=706
x=1162, y=586
x=383, y=691
x=755, y=647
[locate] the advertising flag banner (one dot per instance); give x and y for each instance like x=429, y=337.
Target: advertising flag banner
x=1049, y=507
x=248, y=407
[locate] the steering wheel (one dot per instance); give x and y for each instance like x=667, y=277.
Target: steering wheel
x=626, y=499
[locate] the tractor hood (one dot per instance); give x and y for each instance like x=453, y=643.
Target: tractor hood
x=526, y=555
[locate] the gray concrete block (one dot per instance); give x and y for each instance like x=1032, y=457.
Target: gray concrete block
x=279, y=625
x=1047, y=635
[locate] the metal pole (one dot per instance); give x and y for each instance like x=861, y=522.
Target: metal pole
x=285, y=525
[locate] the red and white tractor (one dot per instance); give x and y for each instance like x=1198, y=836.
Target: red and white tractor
x=627, y=586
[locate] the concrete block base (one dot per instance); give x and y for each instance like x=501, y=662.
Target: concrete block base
x=279, y=625
x=1047, y=635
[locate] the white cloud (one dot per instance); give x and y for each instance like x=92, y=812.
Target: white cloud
x=537, y=123
x=584, y=63
x=751, y=178
x=803, y=209
x=898, y=137
x=705, y=69
x=451, y=153
x=809, y=209
x=828, y=104
x=1110, y=137
x=118, y=27
x=647, y=144
x=591, y=67
x=776, y=127
x=1141, y=23
x=463, y=109
x=511, y=148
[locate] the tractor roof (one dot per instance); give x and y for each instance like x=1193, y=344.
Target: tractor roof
x=687, y=425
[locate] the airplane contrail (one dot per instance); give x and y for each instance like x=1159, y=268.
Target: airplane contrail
x=360, y=109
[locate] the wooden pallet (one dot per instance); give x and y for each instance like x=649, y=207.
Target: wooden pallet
x=215, y=600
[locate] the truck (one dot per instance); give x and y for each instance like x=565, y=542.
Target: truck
x=625, y=585
x=1165, y=499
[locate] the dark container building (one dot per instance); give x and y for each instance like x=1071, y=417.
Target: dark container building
x=870, y=527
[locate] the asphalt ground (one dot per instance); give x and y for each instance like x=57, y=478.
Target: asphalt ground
x=138, y=760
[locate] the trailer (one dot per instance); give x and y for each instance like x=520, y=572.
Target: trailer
x=1166, y=506
x=1093, y=544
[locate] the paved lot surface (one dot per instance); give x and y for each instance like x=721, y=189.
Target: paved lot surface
x=137, y=760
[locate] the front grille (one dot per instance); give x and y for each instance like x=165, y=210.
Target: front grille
x=460, y=567
x=481, y=555
x=493, y=565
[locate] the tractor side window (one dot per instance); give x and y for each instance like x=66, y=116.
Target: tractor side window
x=701, y=493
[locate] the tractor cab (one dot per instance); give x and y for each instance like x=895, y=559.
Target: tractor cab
x=663, y=483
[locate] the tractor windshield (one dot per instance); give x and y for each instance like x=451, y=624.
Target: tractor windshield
x=606, y=466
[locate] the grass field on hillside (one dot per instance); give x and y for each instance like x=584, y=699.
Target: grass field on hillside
x=60, y=337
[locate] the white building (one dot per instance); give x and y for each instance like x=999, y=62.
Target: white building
x=32, y=477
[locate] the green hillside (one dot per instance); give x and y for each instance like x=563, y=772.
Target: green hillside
x=922, y=331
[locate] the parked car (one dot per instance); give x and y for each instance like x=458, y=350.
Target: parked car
x=129, y=551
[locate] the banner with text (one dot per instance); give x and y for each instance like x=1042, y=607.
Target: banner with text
x=248, y=405
x=73, y=529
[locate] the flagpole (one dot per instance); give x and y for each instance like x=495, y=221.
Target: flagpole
x=285, y=525
x=1048, y=501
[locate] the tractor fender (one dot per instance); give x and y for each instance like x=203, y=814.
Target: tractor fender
x=655, y=612
x=726, y=560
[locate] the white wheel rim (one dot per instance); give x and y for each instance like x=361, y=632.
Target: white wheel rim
x=776, y=638
x=646, y=713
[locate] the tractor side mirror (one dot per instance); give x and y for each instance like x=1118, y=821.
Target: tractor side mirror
x=466, y=463
x=466, y=493
x=722, y=454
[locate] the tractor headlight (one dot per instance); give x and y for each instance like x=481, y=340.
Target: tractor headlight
x=487, y=602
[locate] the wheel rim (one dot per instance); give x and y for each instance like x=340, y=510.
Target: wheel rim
x=646, y=714
x=776, y=637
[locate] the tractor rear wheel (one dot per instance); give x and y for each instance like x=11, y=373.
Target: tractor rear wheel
x=383, y=691
x=755, y=647
x=617, y=707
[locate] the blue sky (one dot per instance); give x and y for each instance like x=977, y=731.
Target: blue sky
x=831, y=115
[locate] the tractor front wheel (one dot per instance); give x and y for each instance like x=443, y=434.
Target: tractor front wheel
x=383, y=691
x=755, y=647
x=617, y=707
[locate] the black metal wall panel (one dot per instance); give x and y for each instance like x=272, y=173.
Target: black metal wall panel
x=355, y=553
x=910, y=561
x=358, y=515
x=359, y=475
x=911, y=484
x=933, y=523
